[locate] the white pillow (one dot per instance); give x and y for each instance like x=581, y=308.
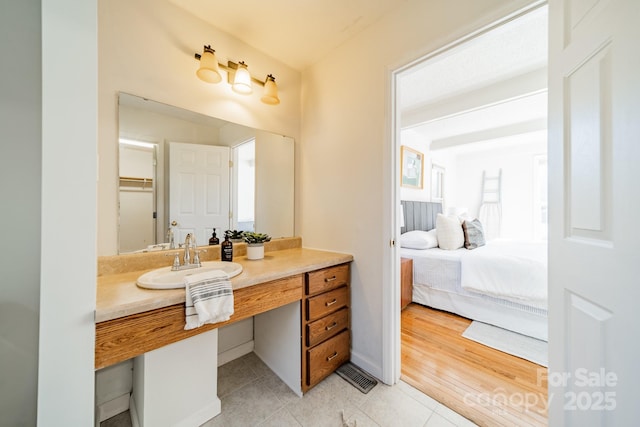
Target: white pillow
x=450, y=233
x=418, y=239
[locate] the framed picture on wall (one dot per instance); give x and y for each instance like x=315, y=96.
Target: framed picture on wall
x=412, y=167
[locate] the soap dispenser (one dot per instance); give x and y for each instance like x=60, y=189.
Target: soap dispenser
x=226, y=249
x=214, y=239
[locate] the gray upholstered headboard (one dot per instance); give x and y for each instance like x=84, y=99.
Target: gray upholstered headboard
x=420, y=215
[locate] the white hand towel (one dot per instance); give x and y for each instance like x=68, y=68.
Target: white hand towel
x=209, y=298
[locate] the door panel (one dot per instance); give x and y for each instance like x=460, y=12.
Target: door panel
x=588, y=108
x=594, y=100
x=198, y=189
x=186, y=194
x=212, y=190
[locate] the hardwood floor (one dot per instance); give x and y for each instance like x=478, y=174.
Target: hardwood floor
x=487, y=386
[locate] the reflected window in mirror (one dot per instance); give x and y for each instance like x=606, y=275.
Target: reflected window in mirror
x=245, y=177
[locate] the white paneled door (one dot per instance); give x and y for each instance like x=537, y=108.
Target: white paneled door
x=198, y=190
x=594, y=171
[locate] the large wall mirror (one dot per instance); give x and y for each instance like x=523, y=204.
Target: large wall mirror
x=189, y=173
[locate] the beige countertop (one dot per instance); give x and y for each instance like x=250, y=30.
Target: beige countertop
x=119, y=296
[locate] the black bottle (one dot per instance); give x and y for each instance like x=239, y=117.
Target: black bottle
x=214, y=239
x=226, y=250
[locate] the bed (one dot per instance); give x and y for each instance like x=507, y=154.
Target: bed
x=502, y=283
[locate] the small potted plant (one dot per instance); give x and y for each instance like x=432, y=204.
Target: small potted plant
x=234, y=235
x=255, y=244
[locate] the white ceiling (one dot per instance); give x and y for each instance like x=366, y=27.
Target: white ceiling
x=296, y=32
x=512, y=49
x=486, y=89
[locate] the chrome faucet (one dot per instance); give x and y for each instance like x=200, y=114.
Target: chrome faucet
x=172, y=242
x=189, y=242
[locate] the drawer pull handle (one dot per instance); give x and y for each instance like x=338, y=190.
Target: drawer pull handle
x=330, y=279
x=330, y=327
x=333, y=356
x=330, y=303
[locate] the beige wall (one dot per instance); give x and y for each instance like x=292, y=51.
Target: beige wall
x=146, y=48
x=345, y=160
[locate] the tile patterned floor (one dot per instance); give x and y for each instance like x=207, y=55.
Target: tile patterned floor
x=252, y=395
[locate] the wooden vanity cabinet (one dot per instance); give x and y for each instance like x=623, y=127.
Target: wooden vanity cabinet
x=326, y=323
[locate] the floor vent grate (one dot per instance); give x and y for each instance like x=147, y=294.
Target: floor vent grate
x=357, y=377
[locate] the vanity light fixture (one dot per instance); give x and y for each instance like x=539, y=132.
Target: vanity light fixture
x=237, y=76
x=242, y=80
x=208, y=70
x=270, y=91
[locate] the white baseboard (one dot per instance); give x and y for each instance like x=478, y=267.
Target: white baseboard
x=113, y=407
x=203, y=415
x=365, y=364
x=235, y=352
x=133, y=412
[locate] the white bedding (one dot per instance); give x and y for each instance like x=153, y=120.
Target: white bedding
x=437, y=283
x=515, y=271
x=436, y=268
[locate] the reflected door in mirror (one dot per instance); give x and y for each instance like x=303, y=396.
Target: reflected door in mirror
x=198, y=190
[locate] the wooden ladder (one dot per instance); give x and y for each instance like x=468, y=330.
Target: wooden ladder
x=490, y=212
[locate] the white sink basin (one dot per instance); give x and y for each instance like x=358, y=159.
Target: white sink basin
x=164, y=278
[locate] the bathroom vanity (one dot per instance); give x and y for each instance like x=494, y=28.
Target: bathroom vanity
x=299, y=299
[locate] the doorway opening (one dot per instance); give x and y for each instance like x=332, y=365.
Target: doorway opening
x=137, y=196
x=473, y=112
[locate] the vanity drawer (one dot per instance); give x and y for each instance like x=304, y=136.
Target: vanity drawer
x=327, y=357
x=327, y=279
x=326, y=303
x=327, y=327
